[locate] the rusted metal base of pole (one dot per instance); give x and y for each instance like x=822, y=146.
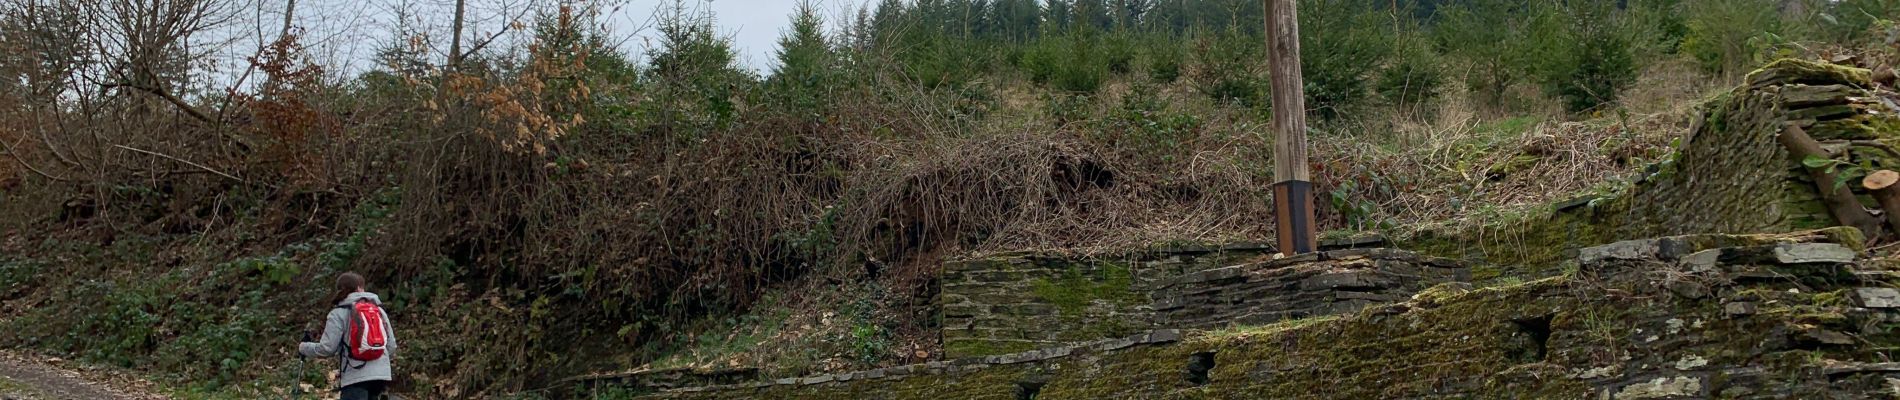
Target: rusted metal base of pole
x=1293, y=216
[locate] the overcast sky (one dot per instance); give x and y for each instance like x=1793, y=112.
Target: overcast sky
x=346, y=33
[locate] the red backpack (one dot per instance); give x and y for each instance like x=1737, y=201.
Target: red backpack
x=367, y=337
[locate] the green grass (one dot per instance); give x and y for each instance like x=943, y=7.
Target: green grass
x=1282, y=326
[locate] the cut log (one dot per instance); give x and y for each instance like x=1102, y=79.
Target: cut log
x=1839, y=199
x=1881, y=184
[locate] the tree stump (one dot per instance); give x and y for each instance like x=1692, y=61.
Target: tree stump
x=1881, y=184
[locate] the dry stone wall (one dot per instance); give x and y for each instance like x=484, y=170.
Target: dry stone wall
x=1017, y=302
x=1729, y=174
x=1325, y=283
x=1008, y=304
x=1789, y=317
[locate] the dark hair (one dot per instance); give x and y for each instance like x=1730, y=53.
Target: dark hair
x=346, y=284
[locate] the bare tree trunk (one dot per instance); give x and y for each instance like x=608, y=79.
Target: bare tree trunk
x=289, y=9
x=455, y=38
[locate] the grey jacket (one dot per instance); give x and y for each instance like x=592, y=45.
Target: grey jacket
x=331, y=345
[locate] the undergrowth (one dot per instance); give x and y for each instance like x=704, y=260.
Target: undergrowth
x=562, y=207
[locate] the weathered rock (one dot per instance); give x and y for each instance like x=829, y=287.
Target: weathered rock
x=1842, y=368
x=1662, y=387
x=1877, y=297
x=1343, y=280
x=1691, y=362
x=1164, y=336
x=1642, y=249
x=1789, y=71
x=1799, y=96
x=1702, y=261
x=1803, y=253
x=1828, y=337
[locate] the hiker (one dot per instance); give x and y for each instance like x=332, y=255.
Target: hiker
x=358, y=334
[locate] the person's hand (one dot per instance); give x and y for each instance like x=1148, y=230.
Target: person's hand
x=307, y=337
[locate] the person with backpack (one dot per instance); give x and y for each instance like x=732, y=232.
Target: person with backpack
x=359, y=335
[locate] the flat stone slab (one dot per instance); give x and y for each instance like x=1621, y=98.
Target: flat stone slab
x=1362, y=279
x=1878, y=297
x=1642, y=249
x=1805, y=253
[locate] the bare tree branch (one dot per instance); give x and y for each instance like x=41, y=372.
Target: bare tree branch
x=193, y=164
x=16, y=158
x=161, y=93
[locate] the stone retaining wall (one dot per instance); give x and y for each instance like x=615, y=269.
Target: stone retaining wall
x=1687, y=317
x=1729, y=175
x=1008, y=304
x=1017, y=302
x=1326, y=283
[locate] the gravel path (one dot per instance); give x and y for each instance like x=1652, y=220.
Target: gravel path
x=30, y=378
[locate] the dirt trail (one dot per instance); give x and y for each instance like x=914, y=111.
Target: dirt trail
x=31, y=378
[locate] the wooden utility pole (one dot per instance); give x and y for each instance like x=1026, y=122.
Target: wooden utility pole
x=1293, y=186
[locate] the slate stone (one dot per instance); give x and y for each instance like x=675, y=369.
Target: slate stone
x=1842, y=368
x=1343, y=280
x=1702, y=261
x=1164, y=336
x=1351, y=295
x=1801, y=96
x=1662, y=387
x=1687, y=289
x=1803, y=253
x=1878, y=297
x=1624, y=250
x=1824, y=336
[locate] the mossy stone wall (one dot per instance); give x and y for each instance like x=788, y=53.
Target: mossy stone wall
x=1729, y=175
x=1315, y=284
x=1020, y=301
x=999, y=305
x=1780, y=320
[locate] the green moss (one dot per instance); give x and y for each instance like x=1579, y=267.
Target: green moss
x=983, y=347
x=1861, y=126
x=1515, y=164
x=1461, y=344
x=1791, y=71
x=1532, y=242
x=1075, y=291
x=1273, y=328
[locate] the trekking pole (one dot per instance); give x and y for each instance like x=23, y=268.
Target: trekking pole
x=296, y=385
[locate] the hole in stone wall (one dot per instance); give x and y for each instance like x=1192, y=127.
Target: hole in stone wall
x=1027, y=390
x=1198, y=366
x=1529, y=341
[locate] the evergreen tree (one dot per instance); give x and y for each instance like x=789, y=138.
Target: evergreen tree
x=1059, y=14
x=1491, y=37
x=1727, y=35
x=1342, y=42
x=1596, y=64
x=889, y=21
x=805, y=62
